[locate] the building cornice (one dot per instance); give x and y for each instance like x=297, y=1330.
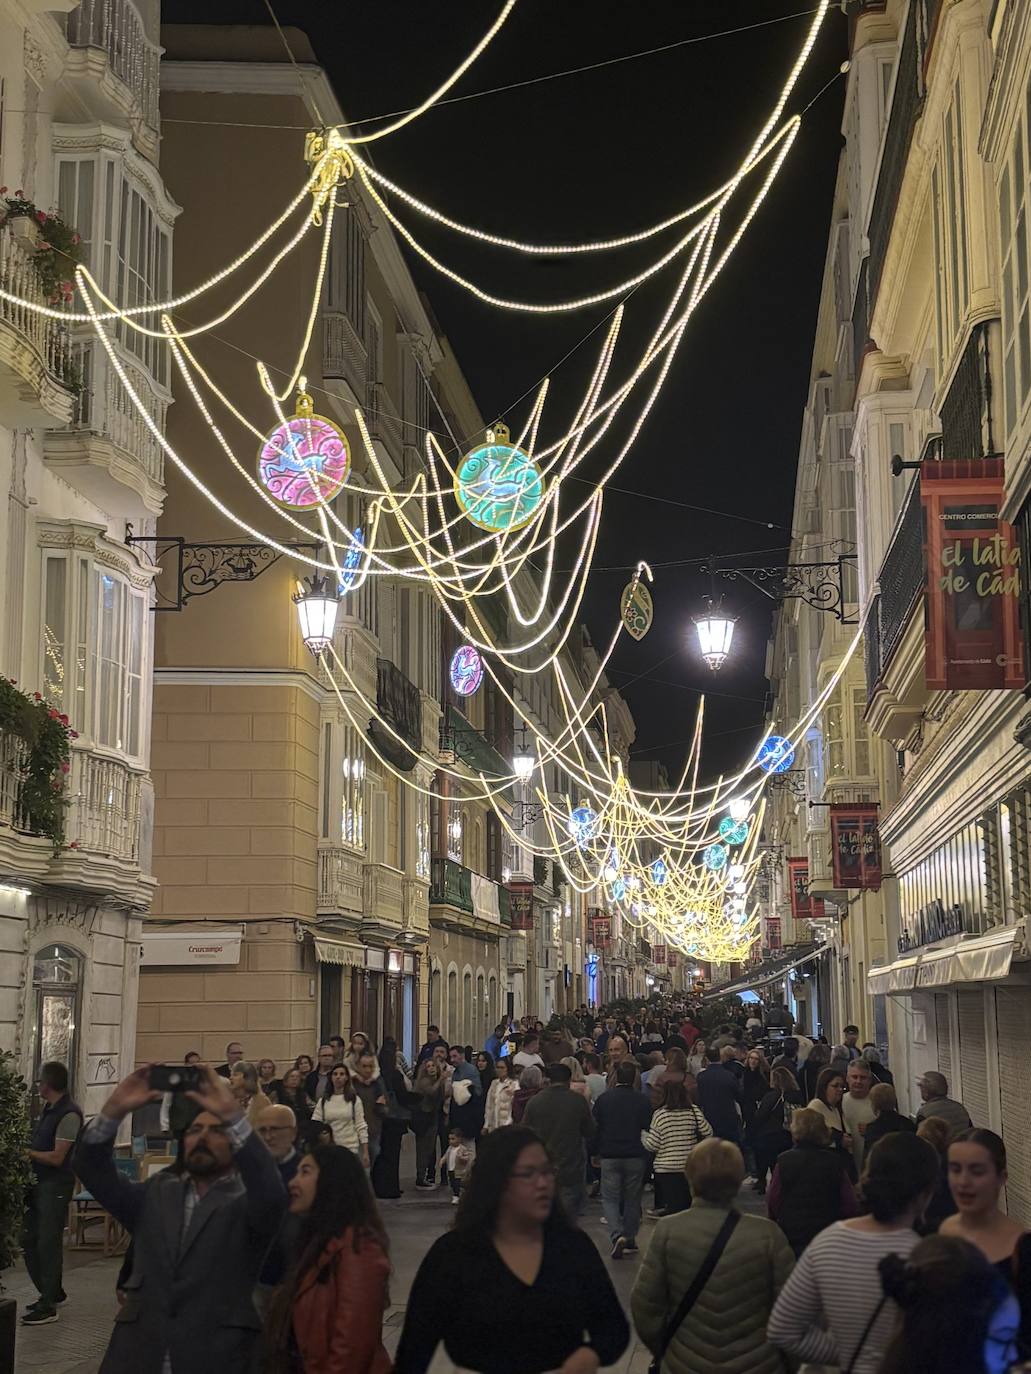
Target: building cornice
x=239, y=677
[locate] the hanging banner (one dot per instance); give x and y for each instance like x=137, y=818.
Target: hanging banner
x=803, y=906
x=772, y=929
x=520, y=905
x=599, y=926
x=972, y=560
x=636, y=608
x=659, y=955
x=856, y=845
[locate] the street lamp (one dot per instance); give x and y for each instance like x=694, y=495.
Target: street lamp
x=523, y=761
x=316, y=611
x=715, y=633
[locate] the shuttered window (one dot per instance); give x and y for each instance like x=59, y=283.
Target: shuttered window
x=972, y=1055
x=1013, y=1008
x=943, y=1032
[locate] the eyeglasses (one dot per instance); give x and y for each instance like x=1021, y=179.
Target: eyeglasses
x=534, y=1172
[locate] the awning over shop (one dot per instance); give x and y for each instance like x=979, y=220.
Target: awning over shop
x=959, y=959
x=336, y=952
x=765, y=974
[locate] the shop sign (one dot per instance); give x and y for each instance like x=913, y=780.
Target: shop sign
x=520, y=905
x=856, y=845
x=191, y=947
x=803, y=906
x=659, y=955
x=935, y=921
x=972, y=559
x=600, y=926
x=773, y=937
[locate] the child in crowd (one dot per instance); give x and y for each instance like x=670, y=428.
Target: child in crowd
x=459, y=1160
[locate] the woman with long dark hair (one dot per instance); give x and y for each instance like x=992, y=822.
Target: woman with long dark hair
x=543, y=1298
x=397, y=1115
x=771, y=1134
x=327, y=1318
x=957, y=1311
x=291, y=1093
x=340, y=1108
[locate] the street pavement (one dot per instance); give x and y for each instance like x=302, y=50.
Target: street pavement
x=76, y=1343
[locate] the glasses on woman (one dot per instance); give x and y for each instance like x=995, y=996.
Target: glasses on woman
x=532, y=1172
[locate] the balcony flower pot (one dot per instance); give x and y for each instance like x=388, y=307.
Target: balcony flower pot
x=25, y=229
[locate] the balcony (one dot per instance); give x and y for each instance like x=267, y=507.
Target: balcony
x=905, y=109
x=399, y=703
x=475, y=902
x=105, y=830
x=24, y=852
x=966, y=410
x=382, y=903
x=37, y=381
x=107, y=451
x=113, y=66
x=340, y=891
x=895, y=639
x=470, y=746
x=344, y=358
x=451, y=885
x=384, y=424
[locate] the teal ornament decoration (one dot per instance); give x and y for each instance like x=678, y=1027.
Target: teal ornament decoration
x=497, y=486
x=734, y=832
x=714, y=857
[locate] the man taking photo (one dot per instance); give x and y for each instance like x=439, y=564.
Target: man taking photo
x=199, y=1233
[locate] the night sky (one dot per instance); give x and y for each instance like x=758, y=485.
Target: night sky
x=593, y=155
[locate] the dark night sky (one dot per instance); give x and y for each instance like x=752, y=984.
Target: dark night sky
x=594, y=155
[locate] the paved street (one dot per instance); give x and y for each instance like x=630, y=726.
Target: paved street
x=75, y=1344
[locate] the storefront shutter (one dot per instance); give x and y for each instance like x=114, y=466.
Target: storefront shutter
x=972, y=1055
x=1013, y=1008
x=942, y=1030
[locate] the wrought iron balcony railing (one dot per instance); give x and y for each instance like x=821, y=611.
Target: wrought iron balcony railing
x=902, y=576
x=451, y=885
x=966, y=411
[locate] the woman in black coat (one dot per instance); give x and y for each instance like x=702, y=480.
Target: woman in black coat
x=770, y=1135
x=810, y=1188
x=384, y=1174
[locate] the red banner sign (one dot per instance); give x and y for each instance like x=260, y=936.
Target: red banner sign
x=659, y=955
x=599, y=925
x=803, y=907
x=972, y=559
x=856, y=843
x=520, y=899
x=772, y=928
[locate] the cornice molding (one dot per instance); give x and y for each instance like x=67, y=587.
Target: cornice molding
x=239, y=677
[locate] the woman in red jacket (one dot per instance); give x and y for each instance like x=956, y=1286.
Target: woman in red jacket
x=328, y=1316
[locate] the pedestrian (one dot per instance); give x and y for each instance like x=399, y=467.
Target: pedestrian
x=977, y=1179
x=818, y=1058
x=427, y=1114
x=487, y=1069
x=935, y=1130
x=788, y=1057
x=267, y=1080
x=461, y=1152
x=677, y=1126
x=597, y=1083
x=341, y=1109
x=810, y=1187
x=365, y=1078
x=433, y=1039
x=719, y=1095
x=755, y=1084
x=850, y=1042
x=199, y=1234
x=887, y=1116
x=871, y=1055
x=957, y=1311
x=359, y=1044
x=277, y=1127
x=386, y=1168
x=742, y=1262
x=291, y=1093
x=46, y=1203
x=832, y=1310
x=564, y=1122
x=618, y=1050
x=856, y=1107
x=830, y=1090
x=494, y=1042
x=244, y=1082
x=531, y=1081
x=934, y=1092
x=621, y=1114
x=318, y=1077
x=466, y=1109
x=339, y=1048
x=500, y=1096
x=304, y=1064
x=327, y=1318
x=543, y=1299
x=529, y=1052
x=771, y=1125
x=698, y=1059
x=234, y=1053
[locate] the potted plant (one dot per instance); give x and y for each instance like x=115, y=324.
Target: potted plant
x=55, y=245
x=15, y=1178
x=46, y=762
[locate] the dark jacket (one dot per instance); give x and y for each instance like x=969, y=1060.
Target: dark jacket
x=754, y=1087
x=621, y=1114
x=886, y=1123
x=769, y=1116
x=521, y=1099
x=718, y=1094
x=191, y=1295
x=809, y=1190
x=44, y=1137
x=338, y=1309
x=311, y=1083
x=563, y=1121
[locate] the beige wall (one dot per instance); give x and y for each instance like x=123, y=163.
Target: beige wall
x=458, y=954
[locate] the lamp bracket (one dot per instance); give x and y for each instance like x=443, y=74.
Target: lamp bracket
x=792, y=780
x=197, y=569
x=820, y=585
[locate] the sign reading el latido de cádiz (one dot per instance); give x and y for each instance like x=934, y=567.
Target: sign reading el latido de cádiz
x=972, y=638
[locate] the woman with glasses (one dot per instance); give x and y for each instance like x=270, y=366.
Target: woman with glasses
x=340, y=1108
x=543, y=1299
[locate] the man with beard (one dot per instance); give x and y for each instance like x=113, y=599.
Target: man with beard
x=199, y=1233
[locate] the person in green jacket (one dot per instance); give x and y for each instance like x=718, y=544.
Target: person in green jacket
x=725, y=1331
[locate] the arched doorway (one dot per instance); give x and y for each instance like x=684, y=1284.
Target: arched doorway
x=57, y=996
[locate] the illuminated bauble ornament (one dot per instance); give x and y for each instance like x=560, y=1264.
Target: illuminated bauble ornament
x=738, y=808
x=466, y=670
x=618, y=890
x=636, y=608
x=659, y=872
x=734, y=832
x=582, y=825
x=498, y=486
x=736, y=872
x=611, y=866
x=714, y=857
x=304, y=461
x=351, y=562
x=776, y=754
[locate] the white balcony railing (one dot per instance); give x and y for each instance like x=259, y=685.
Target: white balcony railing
x=13, y=758
x=104, y=816
x=116, y=28
x=18, y=275
x=105, y=408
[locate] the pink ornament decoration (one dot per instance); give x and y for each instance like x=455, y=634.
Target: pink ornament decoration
x=305, y=460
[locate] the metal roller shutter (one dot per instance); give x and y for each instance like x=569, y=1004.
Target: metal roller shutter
x=1013, y=1008
x=943, y=1033
x=972, y=1055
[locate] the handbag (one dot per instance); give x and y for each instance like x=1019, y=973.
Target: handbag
x=694, y=1292
x=394, y=1109
x=788, y=1110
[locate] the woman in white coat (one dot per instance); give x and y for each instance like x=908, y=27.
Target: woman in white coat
x=499, y=1097
x=341, y=1109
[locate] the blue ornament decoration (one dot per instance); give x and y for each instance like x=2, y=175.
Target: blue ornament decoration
x=714, y=857
x=618, y=890
x=734, y=832
x=583, y=825
x=351, y=562
x=659, y=872
x=776, y=755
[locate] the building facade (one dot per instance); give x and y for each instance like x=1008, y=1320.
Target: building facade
x=80, y=473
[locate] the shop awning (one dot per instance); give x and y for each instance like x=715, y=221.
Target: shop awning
x=764, y=975
x=336, y=952
x=959, y=959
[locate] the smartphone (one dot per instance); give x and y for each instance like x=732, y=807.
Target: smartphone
x=175, y=1078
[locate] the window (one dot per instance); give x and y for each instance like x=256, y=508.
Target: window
x=56, y=985
x=55, y=600
x=345, y=272
x=422, y=835
x=1016, y=311
x=352, y=811
x=456, y=835
x=948, y=193
x=119, y=677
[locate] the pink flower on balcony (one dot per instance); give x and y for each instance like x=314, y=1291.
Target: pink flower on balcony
x=3, y=190
x=74, y=734
x=36, y=697
x=41, y=216
x=53, y=714
x=18, y=195
x=63, y=719
x=66, y=767
x=74, y=845
x=76, y=238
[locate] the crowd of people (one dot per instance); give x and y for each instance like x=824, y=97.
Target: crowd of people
x=885, y=1247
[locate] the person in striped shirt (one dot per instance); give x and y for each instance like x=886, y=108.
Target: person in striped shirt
x=676, y=1128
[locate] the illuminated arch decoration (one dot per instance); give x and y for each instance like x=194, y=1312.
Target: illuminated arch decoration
x=582, y=825
x=351, y=561
x=466, y=670
x=776, y=754
x=304, y=461
x=732, y=831
x=497, y=485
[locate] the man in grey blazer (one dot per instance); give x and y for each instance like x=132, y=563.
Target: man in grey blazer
x=200, y=1233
